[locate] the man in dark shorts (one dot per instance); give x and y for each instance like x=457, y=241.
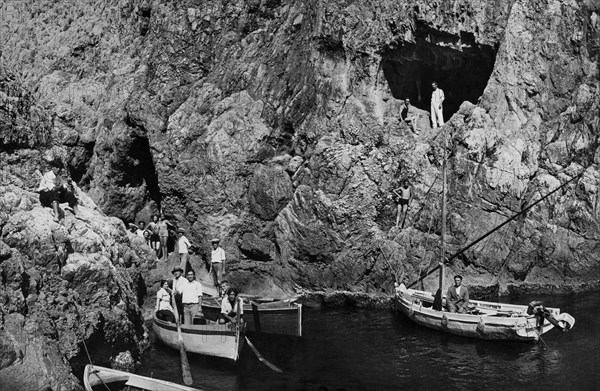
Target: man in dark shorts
x=403, y=196
x=54, y=191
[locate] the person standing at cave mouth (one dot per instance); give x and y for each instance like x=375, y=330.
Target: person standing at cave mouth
x=437, y=99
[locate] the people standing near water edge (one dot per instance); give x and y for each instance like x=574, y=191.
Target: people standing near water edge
x=178, y=283
x=191, y=296
x=231, y=305
x=457, y=297
x=183, y=247
x=217, y=263
x=437, y=98
x=163, y=234
x=164, y=310
x=403, y=196
x=152, y=227
x=54, y=189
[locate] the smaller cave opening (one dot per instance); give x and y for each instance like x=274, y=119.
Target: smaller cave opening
x=460, y=66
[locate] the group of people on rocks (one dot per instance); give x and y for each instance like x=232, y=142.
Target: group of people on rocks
x=181, y=300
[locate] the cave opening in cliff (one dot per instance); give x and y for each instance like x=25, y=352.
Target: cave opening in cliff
x=460, y=66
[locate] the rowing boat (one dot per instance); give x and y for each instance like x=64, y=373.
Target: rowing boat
x=283, y=317
x=485, y=320
x=96, y=378
x=210, y=339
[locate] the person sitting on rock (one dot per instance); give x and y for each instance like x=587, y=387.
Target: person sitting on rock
x=231, y=307
x=54, y=190
x=457, y=298
x=409, y=116
x=164, y=310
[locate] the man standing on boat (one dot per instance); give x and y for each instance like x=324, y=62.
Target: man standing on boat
x=217, y=264
x=437, y=98
x=457, y=297
x=178, y=283
x=191, y=296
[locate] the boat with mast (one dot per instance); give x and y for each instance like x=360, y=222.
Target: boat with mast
x=483, y=320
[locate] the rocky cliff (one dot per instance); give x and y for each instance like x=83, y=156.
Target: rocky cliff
x=274, y=126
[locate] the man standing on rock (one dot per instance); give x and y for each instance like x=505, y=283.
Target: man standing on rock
x=217, y=264
x=403, y=196
x=183, y=247
x=437, y=98
x=192, y=298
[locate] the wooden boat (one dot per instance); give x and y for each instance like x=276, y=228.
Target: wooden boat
x=484, y=320
x=210, y=339
x=283, y=317
x=97, y=378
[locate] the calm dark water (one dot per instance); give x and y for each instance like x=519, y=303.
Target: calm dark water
x=349, y=349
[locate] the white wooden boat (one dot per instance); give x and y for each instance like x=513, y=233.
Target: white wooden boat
x=486, y=320
x=283, y=317
x=210, y=339
x=96, y=378
x=483, y=320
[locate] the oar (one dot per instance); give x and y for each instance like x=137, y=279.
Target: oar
x=261, y=358
x=185, y=365
x=256, y=316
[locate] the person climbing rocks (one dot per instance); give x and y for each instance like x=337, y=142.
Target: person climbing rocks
x=437, y=99
x=403, y=195
x=183, y=247
x=54, y=190
x=217, y=263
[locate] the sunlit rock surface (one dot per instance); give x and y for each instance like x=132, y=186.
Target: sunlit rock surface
x=273, y=125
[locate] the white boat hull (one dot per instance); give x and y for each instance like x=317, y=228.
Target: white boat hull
x=495, y=322
x=212, y=339
x=99, y=378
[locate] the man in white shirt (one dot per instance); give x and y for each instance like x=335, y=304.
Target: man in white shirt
x=191, y=296
x=217, y=263
x=437, y=98
x=178, y=283
x=183, y=247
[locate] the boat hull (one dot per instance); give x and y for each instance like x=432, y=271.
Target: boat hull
x=98, y=378
x=280, y=317
x=497, y=322
x=217, y=340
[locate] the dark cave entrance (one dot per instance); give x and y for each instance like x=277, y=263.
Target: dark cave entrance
x=460, y=66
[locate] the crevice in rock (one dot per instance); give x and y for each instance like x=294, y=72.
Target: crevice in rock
x=460, y=66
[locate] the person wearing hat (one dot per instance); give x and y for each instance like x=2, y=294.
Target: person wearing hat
x=183, y=246
x=217, y=263
x=178, y=284
x=54, y=190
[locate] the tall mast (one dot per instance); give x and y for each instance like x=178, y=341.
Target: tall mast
x=443, y=244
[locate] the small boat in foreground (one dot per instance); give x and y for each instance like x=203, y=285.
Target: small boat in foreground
x=283, y=317
x=486, y=320
x=210, y=339
x=96, y=378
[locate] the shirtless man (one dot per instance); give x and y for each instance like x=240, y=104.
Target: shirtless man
x=404, y=195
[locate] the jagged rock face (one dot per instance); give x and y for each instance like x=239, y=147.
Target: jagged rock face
x=62, y=283
x=273, y=125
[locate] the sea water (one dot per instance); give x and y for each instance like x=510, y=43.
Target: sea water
x=358, y=349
